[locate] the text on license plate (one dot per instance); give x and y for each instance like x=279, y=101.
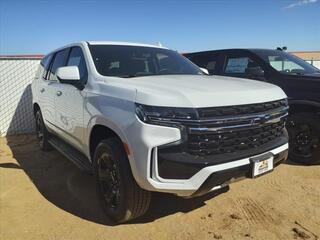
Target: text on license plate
x=261, y=166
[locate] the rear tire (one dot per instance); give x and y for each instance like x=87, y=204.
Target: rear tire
x=43, y=135
x=304, y=138
x=121, y=197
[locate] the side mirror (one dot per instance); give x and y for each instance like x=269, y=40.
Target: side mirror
x=205, y=70
x=69, y=75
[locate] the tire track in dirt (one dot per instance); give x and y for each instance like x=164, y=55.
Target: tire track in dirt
x=254, y=213
x=274, y=183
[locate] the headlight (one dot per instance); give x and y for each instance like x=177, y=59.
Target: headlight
x=164, y=115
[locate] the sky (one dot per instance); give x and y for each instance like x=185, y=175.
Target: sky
x=37, y=27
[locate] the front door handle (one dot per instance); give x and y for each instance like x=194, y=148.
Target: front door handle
x=42, y=90
x=59, y=93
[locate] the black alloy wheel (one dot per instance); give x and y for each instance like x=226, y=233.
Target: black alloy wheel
x=109, y=180
x=304, y=138
x=120, y=196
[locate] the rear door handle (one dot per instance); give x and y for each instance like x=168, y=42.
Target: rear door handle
x=59, y=93
x=42, y=90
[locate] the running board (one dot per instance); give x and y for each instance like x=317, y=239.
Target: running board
x=79, y=159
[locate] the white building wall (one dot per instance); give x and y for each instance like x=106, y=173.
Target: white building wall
x=16, y=114
x=316, y=63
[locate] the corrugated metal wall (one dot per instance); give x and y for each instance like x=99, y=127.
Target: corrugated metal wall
x=16, y=114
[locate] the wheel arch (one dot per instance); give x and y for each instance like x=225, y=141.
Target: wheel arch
x=100, y=128
x=98, y=133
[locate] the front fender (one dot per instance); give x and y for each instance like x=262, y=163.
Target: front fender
x=101, y=120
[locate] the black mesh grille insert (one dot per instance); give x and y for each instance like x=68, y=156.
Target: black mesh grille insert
x=223, y=134
x=235, y=140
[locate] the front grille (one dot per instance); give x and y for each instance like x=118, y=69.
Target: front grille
x=235, y=128
x=234, y=140
x=220, y=135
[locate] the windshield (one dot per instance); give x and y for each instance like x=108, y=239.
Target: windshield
x=286, y=63
x=134, y=61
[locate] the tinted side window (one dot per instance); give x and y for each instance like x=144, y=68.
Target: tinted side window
x=207, y=61
x=211, y=66
x=46, y=60
x=236, y=65
x=284, y=65
x=76, y=58
x=59, y=60
x=45, y=63
x=243, y=67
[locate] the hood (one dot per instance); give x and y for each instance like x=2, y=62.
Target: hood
x=201, y=91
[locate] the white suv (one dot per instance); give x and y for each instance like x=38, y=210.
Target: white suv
x=143, y=118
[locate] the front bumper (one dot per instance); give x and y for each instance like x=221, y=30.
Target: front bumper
x=174, y=162
x=213, y=177
x=204, y=178
x=225, y=177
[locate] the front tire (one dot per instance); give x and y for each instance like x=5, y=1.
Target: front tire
x=42, y=133
x=304, y=138
x=121, y=197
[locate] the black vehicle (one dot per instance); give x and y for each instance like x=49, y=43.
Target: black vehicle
x=299, y=80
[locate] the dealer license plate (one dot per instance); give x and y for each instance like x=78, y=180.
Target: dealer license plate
x=262, y=164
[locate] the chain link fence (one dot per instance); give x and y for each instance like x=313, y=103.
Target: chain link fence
x=16, y=112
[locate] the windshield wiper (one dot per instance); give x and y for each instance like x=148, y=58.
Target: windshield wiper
x=127, y=76
x=157, y=74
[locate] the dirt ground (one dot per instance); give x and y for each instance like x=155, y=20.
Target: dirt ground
x=44, y=196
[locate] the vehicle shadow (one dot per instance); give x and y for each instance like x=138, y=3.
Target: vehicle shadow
x=290, y=162
x=64, y=185
x=167, y=204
